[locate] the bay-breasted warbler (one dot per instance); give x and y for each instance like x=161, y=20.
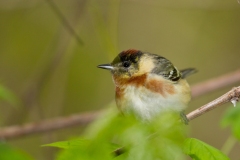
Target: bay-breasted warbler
x=147, y=84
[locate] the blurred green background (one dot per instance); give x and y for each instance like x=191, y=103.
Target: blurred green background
x=52, y=74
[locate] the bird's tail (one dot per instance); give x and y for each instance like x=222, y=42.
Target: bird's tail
x=187, y=72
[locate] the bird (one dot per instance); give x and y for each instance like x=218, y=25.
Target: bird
x=147, y=84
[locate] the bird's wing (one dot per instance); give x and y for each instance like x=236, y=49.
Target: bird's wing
x=165, y=68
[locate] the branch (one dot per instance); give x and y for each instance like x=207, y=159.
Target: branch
x=47, y=125
x=231, y=96
x=215, y=83
x=64, y=21
x=85, y=118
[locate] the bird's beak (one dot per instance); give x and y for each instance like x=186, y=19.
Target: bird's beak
x=105, y=66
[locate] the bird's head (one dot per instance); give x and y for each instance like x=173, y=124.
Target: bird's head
x=131, y=63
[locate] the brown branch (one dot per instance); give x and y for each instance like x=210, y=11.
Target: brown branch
x=215, y=83
x=47, y=125
x=85, y=118
x=232, y=95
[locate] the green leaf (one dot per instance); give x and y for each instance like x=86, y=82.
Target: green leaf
x=8, y=153
x=232, y=119
x=7, y=95
x=160, y=139
x=199, y=150
x=68, y=144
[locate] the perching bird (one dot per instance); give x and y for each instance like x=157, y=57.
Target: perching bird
x=147, y=84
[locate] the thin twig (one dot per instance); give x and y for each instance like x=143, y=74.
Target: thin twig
x=229, y=144
x=85, y=118
x=234, y=94
x=64, y=21
x=215, y=83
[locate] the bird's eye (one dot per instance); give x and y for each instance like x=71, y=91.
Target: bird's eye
x=126, y=64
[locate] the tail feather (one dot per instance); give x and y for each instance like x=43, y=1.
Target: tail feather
x=187, y=72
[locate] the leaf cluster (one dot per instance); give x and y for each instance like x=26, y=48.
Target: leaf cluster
x=126, y=138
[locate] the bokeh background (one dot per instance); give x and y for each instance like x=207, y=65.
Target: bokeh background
x=51, y=72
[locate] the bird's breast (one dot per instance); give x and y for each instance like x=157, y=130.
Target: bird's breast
x=151, y=96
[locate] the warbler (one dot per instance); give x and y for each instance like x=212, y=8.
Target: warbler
x=147, y=84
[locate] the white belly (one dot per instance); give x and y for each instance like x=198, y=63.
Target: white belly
x=146, y=104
